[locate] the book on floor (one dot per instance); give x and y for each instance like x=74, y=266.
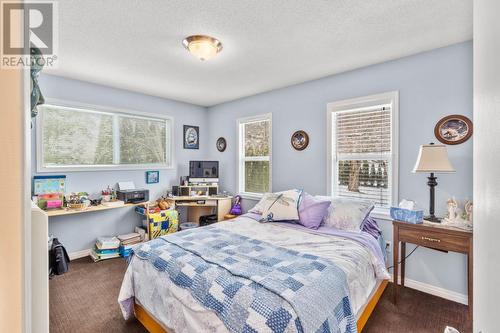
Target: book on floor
x=106, y=251
x=130, y=239
x=107, y=242
x=103, y=256
x=133, y=237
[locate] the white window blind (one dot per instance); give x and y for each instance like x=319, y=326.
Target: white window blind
x=255, y=155
x=87, y=139
x=362, y=154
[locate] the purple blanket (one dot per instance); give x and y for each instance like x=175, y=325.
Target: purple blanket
x=365, y=238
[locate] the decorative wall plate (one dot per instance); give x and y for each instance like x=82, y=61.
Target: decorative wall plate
x=453, y=130
x=221, y=144
x=299, y=140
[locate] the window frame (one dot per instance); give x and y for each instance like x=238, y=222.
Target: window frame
x=169, y=144
x=241, y=151
x=391, y=98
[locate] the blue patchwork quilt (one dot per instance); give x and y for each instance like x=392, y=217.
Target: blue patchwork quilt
x=254, y=286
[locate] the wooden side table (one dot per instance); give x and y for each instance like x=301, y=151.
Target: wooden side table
x=434, y=236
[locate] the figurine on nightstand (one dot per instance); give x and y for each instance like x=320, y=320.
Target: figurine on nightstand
x=452, y=209
x=468, y=211
x=457, y=218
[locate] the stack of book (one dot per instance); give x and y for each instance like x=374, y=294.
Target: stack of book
x=127, y=242
x=105, y=248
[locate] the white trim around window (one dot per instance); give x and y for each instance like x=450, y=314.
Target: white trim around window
x=240, y=162
x=169, y=147
x=389, y=98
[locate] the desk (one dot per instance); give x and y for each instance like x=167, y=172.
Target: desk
x=211, y=205
x=434, y=236
x=63, y=212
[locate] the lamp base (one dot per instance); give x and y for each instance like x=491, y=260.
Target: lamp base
x=432, y=218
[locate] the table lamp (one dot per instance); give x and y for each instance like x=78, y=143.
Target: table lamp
x=433, y=159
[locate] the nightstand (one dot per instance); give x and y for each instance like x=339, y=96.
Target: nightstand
x=434, y=236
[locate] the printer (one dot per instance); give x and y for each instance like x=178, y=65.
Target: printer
x=133, y=195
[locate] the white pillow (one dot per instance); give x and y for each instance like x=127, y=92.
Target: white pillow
x=347, y=214
x=259, y=207
x=281, y=206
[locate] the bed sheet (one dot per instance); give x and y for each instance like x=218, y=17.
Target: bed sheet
x=177, y=310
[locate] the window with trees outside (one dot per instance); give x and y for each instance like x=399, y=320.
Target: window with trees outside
x=84, y=138
x=363, y=159
x=254, y=172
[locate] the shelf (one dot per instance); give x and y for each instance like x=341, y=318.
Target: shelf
x=64, y=212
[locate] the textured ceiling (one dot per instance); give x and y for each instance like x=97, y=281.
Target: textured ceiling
x=268, y=44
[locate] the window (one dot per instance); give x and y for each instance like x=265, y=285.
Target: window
x=81, y=138
x=363, y=148
x=254, y=176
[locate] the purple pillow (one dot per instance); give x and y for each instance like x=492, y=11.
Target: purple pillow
x=371, y=226
x=312, y=211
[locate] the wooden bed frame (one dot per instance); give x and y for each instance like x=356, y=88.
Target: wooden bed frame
x=154, y=327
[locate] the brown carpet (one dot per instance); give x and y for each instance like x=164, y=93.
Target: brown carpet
x=417, y=312
x=85, y=300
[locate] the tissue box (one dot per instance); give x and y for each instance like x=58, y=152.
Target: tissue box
x=407, y=215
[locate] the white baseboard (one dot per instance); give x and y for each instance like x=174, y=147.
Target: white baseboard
x=79, y=254
x=436, y=291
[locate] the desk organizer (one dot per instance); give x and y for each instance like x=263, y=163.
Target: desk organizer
x=407, y=215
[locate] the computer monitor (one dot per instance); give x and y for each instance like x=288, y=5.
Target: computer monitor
x=204, y=171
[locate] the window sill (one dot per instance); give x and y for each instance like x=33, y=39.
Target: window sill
x=251, y=196
x=122, y=167
x=381, y=213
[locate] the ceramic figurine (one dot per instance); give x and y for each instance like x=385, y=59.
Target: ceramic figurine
x=452, y=209
x=468, y=211
x=458, y=218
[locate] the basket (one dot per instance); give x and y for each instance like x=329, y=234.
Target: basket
x=188, y=225
x=79, y=206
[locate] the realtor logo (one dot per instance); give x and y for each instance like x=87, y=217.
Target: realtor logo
x=38, y=21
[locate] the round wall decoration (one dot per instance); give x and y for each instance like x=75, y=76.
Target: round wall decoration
x=453, y=130
x=221, y=144
x=300, y=140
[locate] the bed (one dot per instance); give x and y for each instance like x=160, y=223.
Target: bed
x=170, y=298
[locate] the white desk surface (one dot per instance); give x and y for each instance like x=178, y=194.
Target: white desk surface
x=65, y=211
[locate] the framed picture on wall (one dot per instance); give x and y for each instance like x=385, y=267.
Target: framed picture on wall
x=191, y=137
x=152, y=177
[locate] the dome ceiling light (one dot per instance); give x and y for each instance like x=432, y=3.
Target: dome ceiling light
x=202, y=47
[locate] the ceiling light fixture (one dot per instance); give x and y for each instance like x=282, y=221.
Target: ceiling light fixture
x=202, y=47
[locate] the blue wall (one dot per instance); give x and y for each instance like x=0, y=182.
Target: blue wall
x=78, y=232
x=431, y=85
